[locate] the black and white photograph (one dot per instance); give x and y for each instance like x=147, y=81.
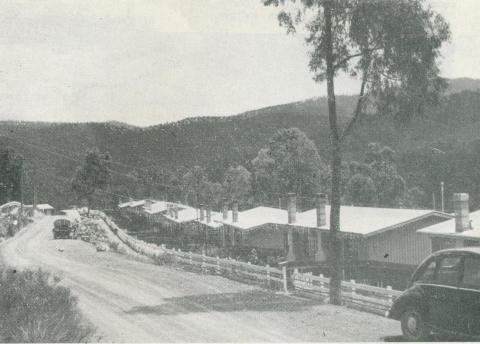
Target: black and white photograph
x=239, y=171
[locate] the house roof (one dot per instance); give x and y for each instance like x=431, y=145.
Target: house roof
x=132, y=204
x=44, y=206
x=216, y=220
x=447, y=228
x=251, y=218
x=156, y=207
x=185, y=214
x=363, y=221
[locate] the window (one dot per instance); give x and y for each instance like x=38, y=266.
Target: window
x=471, y=273
x=428, y=273
x=449, y=270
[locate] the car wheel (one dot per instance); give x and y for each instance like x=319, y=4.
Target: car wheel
x=414, y=327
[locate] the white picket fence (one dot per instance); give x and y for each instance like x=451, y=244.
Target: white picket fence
x=262, y=275
x=366, y=297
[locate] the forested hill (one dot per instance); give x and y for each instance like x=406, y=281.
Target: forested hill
x=218, y=142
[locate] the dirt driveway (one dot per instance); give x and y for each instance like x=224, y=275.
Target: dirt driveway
x=132, y=301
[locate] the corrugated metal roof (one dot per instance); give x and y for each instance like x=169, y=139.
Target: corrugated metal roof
x=132, y=204
x=447, y=228
x=44, y=206
x=156, y=207
x=356, y=220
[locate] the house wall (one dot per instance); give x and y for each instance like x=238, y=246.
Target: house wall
x=269, y=237
x=443, y=243
x=402, y=245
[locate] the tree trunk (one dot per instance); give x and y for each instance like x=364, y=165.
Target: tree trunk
x=335, y=254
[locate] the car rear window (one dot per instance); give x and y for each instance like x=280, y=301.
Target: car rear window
x=471, y=273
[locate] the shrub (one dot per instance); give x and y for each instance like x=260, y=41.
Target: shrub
x=114, y=246
x=165, y=259
x=34, y=308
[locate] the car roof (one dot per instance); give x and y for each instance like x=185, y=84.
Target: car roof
x=474, y=250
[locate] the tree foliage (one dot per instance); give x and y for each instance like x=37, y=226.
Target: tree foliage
x=392, y=45
x=237, y=184
x=11, y=165
x=377, y=181
x=92, y=176
x=289, y=163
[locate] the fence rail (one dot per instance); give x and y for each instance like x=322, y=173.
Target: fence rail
x=365, y=297
x=373, y=299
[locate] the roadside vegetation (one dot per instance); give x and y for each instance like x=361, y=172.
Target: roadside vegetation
x=34, y=308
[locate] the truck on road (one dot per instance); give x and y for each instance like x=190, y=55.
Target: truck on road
x=63, y=229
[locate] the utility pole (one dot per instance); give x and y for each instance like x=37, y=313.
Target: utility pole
x=442, y=196
x=22, y=181
x=34, y=190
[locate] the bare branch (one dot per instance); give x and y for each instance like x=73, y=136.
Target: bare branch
x=358, y=109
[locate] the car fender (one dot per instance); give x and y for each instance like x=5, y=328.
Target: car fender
x=413, y=297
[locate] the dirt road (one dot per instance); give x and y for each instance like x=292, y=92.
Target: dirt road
x=133, y=301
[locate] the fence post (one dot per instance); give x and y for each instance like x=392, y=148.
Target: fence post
x=219, y=269
x=268, y=275
x=354, y=290
x=203, y=263
x=284, y=273
x=190, y=258
x=322, y=285
x=389, y=295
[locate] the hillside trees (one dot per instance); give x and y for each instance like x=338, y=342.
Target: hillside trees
x=377, y=181
x=392, y=46
x=237, y=185
x=11, y=166
x=198, y=189
x=289, y=163
x=92, y=176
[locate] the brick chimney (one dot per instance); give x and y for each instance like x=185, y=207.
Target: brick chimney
x=202, y=212
x=292, y=208
x=320, y=204
x=235, y=211
x=462, y=215
x=175, y=212
x=170, y=209
x=209, y=214
x=225, y=211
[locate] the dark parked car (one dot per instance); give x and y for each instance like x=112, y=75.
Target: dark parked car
x=63, y=229
x=443, y=296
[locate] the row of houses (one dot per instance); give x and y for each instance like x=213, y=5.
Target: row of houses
x=380, y=244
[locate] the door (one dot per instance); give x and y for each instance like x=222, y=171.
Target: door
x=444, y=299
x=469, y=294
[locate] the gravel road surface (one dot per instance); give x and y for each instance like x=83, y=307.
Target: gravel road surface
x=133, y=301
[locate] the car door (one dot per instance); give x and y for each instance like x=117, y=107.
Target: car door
x=469, y=295
x=444, y=299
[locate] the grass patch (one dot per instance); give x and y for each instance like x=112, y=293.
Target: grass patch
x=34, y=308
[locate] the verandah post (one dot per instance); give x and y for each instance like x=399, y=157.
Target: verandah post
x=389, y=295
x=268, y=275
x=284, y=273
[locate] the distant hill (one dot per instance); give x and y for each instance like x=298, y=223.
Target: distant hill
x=463, y=84
x=218, y=142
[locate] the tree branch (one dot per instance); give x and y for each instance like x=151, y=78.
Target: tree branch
x=349, y=57
x=358, y=109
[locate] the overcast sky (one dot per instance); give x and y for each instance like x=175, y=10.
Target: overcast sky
x=152, y=61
